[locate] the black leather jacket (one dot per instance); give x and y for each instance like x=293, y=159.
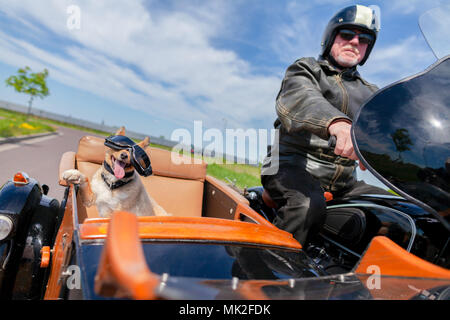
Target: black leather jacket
x=313, y=94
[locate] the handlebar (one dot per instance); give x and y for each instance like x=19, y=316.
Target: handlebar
x=332, y=142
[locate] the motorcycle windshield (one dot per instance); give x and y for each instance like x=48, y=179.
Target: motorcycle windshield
x=435, y=27
x=402, y=134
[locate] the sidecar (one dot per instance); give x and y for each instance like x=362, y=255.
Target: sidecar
x=214, y=246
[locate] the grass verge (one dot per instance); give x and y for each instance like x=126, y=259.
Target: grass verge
x=242, y=176
x=13, y=124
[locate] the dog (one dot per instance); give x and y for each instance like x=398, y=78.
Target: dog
x=116, y=186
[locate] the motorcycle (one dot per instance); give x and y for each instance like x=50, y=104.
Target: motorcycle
x=401, y=135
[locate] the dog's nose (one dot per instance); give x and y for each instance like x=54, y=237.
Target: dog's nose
x=123, y=155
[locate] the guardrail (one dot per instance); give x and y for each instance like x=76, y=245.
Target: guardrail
x=83, y=123
x=102, y=127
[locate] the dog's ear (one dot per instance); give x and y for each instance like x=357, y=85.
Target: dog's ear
x=121, y=131
x=144, y=143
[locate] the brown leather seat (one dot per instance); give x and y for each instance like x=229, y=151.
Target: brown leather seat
x=178, y=188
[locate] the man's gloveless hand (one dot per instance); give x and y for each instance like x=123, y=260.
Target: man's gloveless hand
x=344, y=145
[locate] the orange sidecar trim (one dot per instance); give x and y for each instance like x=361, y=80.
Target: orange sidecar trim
x=197, y=228
x=393, y=260
x=123, y=271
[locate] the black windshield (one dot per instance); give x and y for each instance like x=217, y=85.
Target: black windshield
x=403, y=134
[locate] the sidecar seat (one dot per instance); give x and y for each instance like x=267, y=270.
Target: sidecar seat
x=177, y=188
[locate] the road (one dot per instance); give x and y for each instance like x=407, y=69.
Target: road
x=39, y=158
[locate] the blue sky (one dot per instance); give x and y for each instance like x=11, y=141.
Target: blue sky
x=156, y=66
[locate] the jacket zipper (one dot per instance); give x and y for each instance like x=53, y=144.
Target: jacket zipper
x=344, y=107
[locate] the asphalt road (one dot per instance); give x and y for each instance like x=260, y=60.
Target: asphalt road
x=39, y=158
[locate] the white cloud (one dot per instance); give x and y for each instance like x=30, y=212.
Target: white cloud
x=158, y=61
x=397, y=61
x=298, y=35
x=411, y=6
x=163, y=61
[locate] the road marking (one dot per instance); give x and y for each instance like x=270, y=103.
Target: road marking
x=9, y=146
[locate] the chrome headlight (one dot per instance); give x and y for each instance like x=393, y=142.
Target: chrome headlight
x=6, y=226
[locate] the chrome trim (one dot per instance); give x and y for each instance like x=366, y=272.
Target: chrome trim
x=10, y=246
x=383, y=196
x=75, y=221
x=341, y=246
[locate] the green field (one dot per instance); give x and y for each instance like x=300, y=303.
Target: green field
x=241, y=175
x=15, y=124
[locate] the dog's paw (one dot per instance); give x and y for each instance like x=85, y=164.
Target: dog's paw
x=73, y=176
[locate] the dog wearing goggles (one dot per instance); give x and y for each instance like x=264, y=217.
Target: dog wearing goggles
x=116, y=186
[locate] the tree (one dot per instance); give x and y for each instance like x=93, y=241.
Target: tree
x=402, y=141
x=33, y=84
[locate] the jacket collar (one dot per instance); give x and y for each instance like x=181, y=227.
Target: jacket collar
x=347, y=74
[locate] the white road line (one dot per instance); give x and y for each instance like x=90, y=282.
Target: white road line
x=35, y=140
x=9, y=146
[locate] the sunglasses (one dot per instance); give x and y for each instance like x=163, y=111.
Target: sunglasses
x=364, y=38
x=139, y=158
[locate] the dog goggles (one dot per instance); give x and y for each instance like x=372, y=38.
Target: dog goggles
x=139, y=158
x=364, y=38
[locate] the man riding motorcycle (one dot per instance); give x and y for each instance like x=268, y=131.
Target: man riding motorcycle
x=318, y=99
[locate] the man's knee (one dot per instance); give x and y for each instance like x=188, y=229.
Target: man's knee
x=301, y=211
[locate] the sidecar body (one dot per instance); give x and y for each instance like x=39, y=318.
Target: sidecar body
x=214, y=246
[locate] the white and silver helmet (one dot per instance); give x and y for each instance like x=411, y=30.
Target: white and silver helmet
x=360, y=17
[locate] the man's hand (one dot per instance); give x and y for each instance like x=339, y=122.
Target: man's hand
x=344, y=145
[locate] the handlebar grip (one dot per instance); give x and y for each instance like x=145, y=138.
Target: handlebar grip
x=332, y=142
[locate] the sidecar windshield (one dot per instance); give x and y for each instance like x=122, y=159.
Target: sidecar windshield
x=435, y=27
